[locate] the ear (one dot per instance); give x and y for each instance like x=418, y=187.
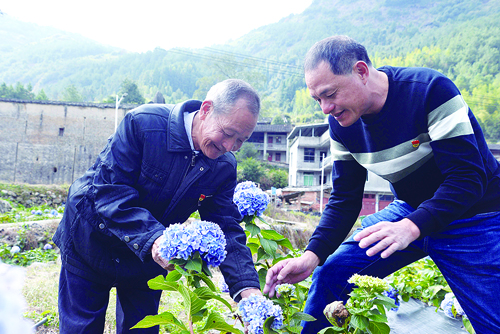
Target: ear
x=361, y=70
x=205, y=109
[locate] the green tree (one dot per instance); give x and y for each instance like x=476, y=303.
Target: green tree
x=41, y=96
x=247, y=150
x=279, y=178
x=250, y=170
x=71, y=94
x=133, y=95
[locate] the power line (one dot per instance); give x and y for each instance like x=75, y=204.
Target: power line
x=241, y=63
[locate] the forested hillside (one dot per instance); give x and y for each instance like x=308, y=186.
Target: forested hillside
x=460, y=38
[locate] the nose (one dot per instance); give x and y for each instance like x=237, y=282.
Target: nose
x=229, y=144
x=327, y=107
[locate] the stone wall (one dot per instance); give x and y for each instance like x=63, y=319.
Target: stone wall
x=44, y=142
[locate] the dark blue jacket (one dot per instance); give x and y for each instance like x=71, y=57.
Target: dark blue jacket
x=146, y=178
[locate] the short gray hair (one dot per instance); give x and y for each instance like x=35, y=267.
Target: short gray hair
x=341, y=52
x=226, y=93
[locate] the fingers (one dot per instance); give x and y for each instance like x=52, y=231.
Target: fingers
x=274, y=277
x=387, y=237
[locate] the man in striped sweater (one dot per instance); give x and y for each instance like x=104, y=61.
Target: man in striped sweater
x=412, y=127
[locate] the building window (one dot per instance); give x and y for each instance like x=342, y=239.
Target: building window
x=308, y=178
x=308, y=154
x=277, y=157
x=278, y=139
x=270, y=157
x=269, y=139
x=61, y=132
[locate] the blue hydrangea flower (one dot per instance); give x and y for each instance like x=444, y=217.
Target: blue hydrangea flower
x=250, y=199
x=451, y=307
x=15, y=249
x=458, y=308
x=256, y=309
x=181, y=242
x=285, y=288
x=47, y=247
x=245, y=185
x=224, y=288
x=394, y=294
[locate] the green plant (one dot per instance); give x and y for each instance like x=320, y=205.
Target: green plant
x=25, y=258
x=421, y=280
x=365, y=310
x=192, y=249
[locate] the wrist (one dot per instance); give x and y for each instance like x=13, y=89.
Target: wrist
x=311, y=258
x=412, y=227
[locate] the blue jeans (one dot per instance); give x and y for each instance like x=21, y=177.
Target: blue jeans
x=467, y=252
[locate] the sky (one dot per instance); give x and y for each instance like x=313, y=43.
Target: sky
x=143, y=25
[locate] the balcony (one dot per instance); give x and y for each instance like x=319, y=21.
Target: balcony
x=270, y=147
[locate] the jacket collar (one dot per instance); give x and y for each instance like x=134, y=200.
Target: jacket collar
x=177, y=136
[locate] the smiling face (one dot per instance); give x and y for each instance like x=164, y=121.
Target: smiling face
x=221, y=133
x=342, y=96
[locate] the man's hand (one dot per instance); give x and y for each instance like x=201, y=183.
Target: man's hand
x=391, y=237
x=157, y=257
x=290, y=271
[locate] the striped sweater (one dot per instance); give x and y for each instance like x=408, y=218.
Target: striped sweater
x=427, y=143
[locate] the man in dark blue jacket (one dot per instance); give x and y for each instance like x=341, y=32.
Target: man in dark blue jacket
x=163, y=163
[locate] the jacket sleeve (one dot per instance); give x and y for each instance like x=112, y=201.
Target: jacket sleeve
x=238, y=268
x=116, y=199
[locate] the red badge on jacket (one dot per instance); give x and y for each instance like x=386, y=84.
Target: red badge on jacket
x=415, y=143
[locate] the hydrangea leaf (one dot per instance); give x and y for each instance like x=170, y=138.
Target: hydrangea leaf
x=303, y=316
x=253, y=247
x=164, y=318
x=379, y=328
x=252, y=228
x=263, y=255
x=267, y=326
x=206, y=294
x=331, y=330
x=207, y=281
x=192, y=303
x=262, y=277
x=359, y=321
x=194, y=264
x=173, y=276
x=159, y=283
x=285, y=243
x=262, y=220
x=375, y=315
x=216, y=322
x=271, y=235
x=269, y=246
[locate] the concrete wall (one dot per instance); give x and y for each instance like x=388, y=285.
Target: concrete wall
x=52, y=142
